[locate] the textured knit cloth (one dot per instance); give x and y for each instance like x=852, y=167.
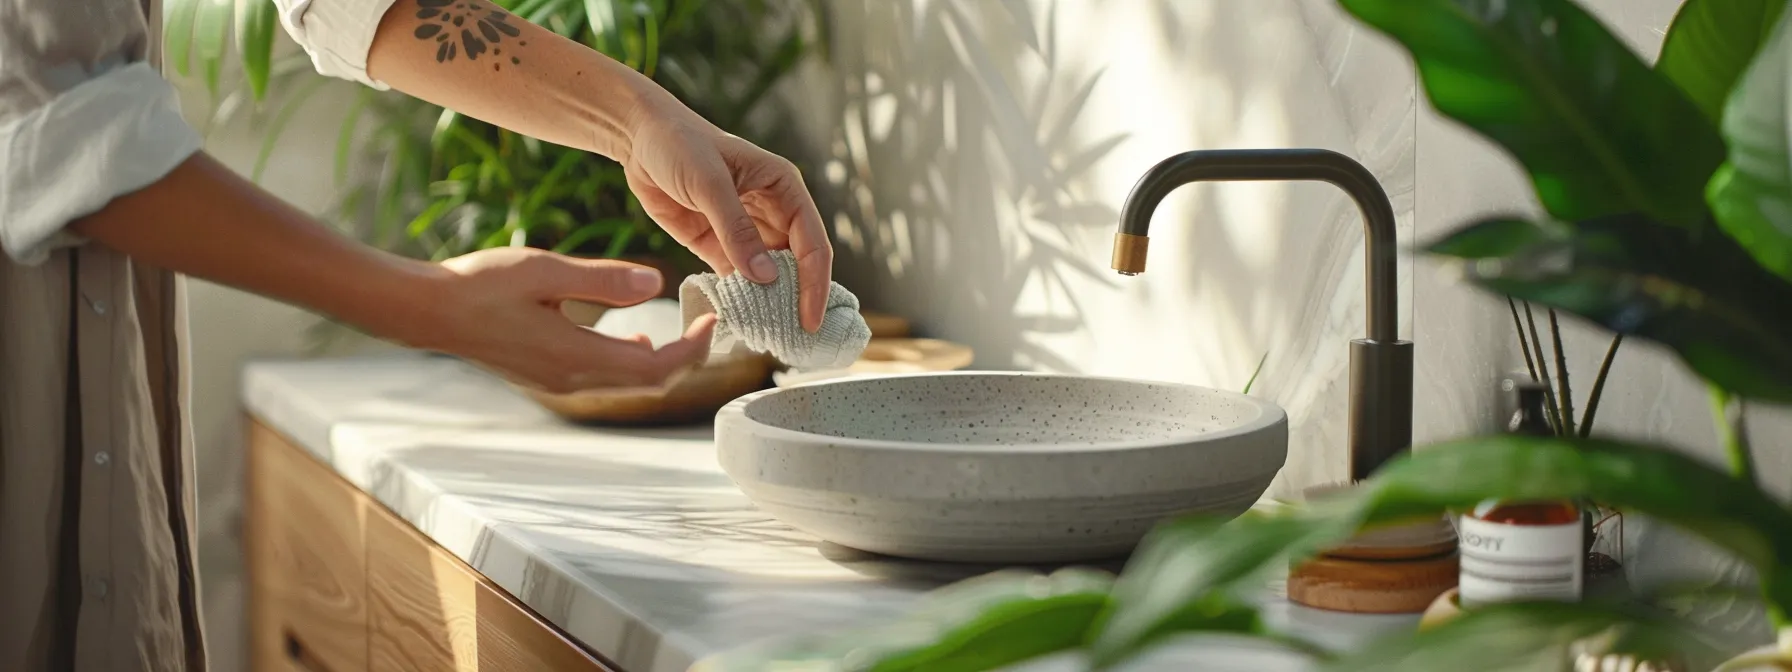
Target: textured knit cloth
x=764, y=318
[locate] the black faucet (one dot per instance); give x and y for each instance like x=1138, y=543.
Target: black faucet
x=1381, y=365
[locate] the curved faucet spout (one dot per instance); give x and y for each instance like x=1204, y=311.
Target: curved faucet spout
x=1381, y=365
x=1240, y=165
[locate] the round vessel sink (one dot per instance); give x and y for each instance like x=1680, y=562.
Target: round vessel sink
x=997, y=467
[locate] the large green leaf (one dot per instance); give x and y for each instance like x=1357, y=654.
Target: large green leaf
x=1656, y=481
x=1011, y=632
x=1531, y=637
x=1696, y=292
x=1709, y=45
x=1194, y=574
x=255, y=22
x=1178, y=571
x=1599, y=132
x=1751, y=195
x=980, y=624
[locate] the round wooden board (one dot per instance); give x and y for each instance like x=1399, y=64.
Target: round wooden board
x=1372, y=586
x=886, y=326
x=892, y=356
x=912, y=355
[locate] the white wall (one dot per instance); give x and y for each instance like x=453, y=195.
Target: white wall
x=980, y=190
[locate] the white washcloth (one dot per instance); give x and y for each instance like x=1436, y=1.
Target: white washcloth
x=764, y=318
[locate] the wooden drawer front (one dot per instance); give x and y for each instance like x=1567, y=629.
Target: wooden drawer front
x=306, y=560
x=429, y=611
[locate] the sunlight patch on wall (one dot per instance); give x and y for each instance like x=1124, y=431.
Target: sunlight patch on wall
x=901, y=253
x=1252, y=216
x=846, y=232
x=880, y=108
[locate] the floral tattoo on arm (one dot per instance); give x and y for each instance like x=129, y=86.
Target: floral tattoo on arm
x=466, y=27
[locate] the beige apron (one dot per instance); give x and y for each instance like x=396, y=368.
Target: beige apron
x=96, y=496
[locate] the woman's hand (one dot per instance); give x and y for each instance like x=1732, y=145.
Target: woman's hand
x=501, y=308
x=728, y=201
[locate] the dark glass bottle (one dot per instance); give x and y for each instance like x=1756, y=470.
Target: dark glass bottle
x=1523, y=550
x=1533, y=412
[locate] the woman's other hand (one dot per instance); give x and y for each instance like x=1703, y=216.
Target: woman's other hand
x=501, y=308
x=729, y=201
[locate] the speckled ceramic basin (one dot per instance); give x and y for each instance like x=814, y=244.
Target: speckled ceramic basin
x=997, y=467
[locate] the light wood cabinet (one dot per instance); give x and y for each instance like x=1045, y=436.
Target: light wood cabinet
x=307, y=561
x=340, y=584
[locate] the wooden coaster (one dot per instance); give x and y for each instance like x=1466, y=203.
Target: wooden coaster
x=1410, y=541
x=1372, y=586
x=1425, y=538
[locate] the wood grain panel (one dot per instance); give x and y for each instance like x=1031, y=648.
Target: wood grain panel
x=430, y=611
x=306, y=560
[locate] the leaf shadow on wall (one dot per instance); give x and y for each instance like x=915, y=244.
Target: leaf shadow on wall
x=948, y=176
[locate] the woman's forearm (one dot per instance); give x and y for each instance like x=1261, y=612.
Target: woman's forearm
x=473, y=57
x=724, y=198
x=204, y=220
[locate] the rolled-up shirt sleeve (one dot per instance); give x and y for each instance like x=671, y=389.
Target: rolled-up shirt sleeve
x=337, y=34
x=84, y=117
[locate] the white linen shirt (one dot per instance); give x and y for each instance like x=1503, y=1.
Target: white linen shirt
x=97, y=568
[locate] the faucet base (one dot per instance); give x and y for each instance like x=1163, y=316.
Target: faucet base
x=1381, y=375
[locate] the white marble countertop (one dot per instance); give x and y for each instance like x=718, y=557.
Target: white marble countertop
x=631, y=541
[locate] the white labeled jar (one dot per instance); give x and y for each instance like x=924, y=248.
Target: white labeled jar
x=1520, y=551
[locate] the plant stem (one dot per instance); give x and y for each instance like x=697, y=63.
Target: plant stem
x=1524, y=344
x=1605, y=367
x=1727, y=411
x=1253, y=380
x=1566, y=396
x=1549, y=394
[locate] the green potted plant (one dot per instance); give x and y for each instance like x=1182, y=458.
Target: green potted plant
x=1668, y=193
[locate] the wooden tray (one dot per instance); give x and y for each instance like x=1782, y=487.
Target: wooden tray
x=696, y=397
